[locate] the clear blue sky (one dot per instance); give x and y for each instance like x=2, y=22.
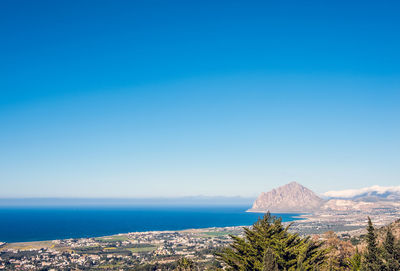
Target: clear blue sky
x=176, y=98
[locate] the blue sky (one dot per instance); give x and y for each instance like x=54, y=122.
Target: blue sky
x=179, y=98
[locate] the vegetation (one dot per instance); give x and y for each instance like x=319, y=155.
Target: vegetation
x=372, y=260
x=354, y=262
x=269, y=246
x=391, y=252
x=185, y=264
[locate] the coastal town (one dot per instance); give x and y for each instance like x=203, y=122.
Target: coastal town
x=346, y=222
x=120, y=252
x=160, y=250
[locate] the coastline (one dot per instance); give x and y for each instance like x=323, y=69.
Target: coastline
x=65, y=223
x=3, y=245
x=133, y=250
x=28, y=245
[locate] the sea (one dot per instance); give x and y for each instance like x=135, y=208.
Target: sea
x=23, y=224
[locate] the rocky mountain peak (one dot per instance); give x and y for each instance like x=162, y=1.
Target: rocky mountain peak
x=290, y=198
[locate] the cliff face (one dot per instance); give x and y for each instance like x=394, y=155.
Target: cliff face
x=290, y=198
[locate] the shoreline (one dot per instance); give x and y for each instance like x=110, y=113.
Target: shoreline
x=132, y=233
x=78, y=230
x=192, y=230
x=48, y=244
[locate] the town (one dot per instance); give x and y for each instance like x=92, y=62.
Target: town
x=162, y=249
x=123, y=251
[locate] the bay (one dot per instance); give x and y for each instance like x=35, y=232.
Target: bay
x=23, y=224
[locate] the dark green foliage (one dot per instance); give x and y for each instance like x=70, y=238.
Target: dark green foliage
x=372, y=258
x=355, y=262
x=391, y=255
x=266, y=239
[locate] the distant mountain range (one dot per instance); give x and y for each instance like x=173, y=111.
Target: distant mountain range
x=370, y=194
x=295, y=198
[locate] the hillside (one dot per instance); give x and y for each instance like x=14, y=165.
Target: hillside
x=394, y=227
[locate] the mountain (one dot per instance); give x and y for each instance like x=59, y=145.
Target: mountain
x=290, y=198
x=368, y=194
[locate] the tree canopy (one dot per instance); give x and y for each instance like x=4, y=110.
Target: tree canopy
x=268, y=245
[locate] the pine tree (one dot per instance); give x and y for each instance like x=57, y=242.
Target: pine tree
x=391, y=260
x=269, y=236
x=355, y=261
x=372, y=260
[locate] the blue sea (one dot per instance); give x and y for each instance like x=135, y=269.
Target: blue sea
x=21, y=224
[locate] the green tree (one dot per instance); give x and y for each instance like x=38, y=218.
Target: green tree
x=372, y=260
x=185, y=264
x=390, y=253
x=354, y=262
x=268, y=237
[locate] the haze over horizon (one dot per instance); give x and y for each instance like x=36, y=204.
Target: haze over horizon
x=172, y=99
